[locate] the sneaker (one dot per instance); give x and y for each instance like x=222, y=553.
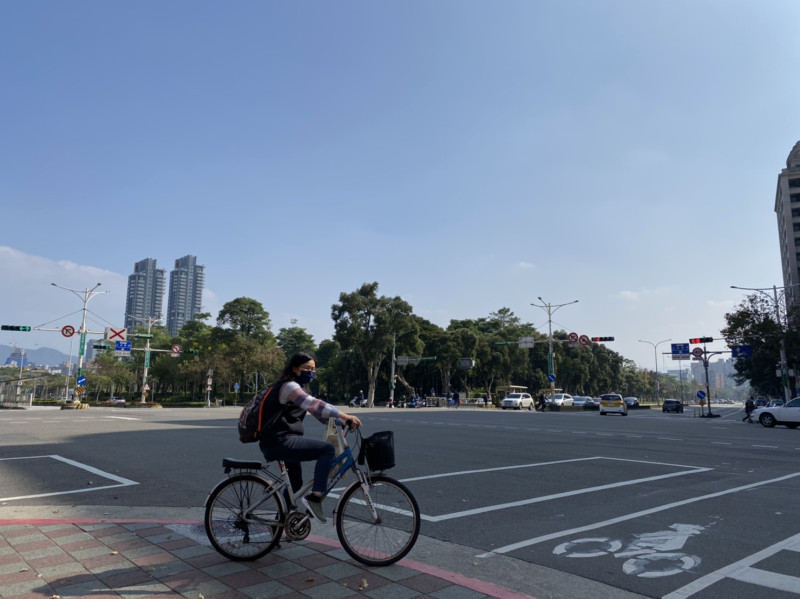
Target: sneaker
x=314, y=506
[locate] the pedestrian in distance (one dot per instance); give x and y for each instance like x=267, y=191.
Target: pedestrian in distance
x=456, y=399
x=542, y=401
x=485, y=400
x=749, y=406
x=284, y=440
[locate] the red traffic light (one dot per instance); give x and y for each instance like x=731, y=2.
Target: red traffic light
x=602, y=339
x=699, y=340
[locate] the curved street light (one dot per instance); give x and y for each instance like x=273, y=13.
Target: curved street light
x=550, y=309
x=655, y=355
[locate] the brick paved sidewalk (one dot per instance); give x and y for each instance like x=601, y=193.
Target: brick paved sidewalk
x=142, y=559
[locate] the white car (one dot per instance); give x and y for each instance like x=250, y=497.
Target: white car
x=787, y=414
x=517, y=401
x=560, y=399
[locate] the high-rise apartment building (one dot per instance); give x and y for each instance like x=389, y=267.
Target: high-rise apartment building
x=145, y=294
x=787, y=208
x=185, y=293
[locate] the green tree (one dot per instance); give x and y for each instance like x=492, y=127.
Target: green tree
x=366, y=324
x=753, y=323
x=295, y=339
x=247, y=318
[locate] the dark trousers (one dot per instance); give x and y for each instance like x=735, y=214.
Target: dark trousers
x=293, y=449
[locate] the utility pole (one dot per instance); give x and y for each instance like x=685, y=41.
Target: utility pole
x=150, y=322
x=550, y=309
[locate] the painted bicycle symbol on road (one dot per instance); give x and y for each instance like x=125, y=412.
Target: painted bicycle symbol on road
x=650, y=555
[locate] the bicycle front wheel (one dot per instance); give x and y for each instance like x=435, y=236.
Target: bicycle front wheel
x=381, y=541
x=244, y=517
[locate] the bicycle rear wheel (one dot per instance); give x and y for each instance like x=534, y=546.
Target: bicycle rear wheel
x=383, y=541
x=244, y=517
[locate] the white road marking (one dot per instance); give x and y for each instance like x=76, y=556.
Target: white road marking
x=123, y=417
x=721, y=443
x=744, y=572
x=121, y=482
x=633, y=515
x=766, y=446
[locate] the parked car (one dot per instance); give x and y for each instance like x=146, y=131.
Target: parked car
x=517, y=401
x=761, y=402
x=774, y=403
x=672, y=405
x=581, y=400
x=560, y=399
x=631, y=402
x=787, y=414
x=612, y=403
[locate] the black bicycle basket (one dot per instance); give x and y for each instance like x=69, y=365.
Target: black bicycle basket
x=378, y=448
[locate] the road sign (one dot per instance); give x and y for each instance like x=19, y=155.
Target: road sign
x=122, y=348
x=526, y=342
x=584, y=340
x=146, y=387
x=551, y=378
x=176, y=349
x=81, y=380
x=742, y=351
x=701, y=394
x=680, y=348
x=68, y=331
x=697, y=352
x=573, y=337
x=113, y=334
x=236, y=387
x=680, y=356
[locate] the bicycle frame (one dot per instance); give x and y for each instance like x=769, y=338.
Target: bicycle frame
x=343, y=463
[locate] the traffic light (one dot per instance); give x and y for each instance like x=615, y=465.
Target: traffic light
x=602, y=339
x=14, y=327
x=699, y=340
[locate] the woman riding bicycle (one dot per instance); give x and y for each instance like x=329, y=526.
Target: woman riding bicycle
x=284, y=439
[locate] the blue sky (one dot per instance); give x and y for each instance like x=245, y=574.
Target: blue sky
x=466, y=155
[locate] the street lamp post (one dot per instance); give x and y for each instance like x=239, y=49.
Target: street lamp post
x=550, y=309
x=87, y=294
x=787, y=392
x=655, y=355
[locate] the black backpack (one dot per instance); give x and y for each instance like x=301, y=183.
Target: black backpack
x=251, y=420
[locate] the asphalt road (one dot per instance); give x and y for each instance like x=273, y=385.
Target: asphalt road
x=553, y=504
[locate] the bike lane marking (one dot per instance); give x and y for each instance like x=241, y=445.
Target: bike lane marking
x=633, y=515
x=512, y=504
x=743, y=571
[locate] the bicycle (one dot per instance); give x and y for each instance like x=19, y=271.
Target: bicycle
x=377, y=518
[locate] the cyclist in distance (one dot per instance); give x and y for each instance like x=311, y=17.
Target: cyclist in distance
x=284, y=439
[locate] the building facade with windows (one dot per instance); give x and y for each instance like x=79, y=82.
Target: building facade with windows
x=185, y=293
x=787, y=209
x=145, y=294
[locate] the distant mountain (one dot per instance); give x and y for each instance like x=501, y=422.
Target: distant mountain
x=42, y=356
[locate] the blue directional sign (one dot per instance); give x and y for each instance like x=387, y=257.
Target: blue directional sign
x=701, y=395
x=742, y=351
x=551, y=378
x=81, y=380
x=122, y=346
x=680, y=349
